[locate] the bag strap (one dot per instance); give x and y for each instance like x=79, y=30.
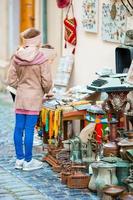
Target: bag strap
x=70, y=6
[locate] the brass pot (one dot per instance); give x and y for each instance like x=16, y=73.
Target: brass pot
x=110, y=149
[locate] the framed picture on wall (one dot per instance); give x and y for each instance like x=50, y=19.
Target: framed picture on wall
x=90, y=15
x=113, y=22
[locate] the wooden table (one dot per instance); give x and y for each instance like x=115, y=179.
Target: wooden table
x=70, y=116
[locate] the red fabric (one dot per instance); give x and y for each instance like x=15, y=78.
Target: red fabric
x=98, y=129
x=70, y=31
x=62, y=3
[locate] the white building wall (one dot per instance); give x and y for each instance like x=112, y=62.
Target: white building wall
x=91, y=53
x=3, y=30
x=13, y=26
x=38, y=14
x=54, y=30
x=9, y=27
x=54, y=27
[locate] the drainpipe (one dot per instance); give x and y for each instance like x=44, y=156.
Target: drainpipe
x=44, y=21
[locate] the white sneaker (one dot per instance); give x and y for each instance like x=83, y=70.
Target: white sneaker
x=19, y=164
x=37, y=141
x=32, y=165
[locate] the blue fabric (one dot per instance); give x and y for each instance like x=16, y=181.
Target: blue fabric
x=24, y=128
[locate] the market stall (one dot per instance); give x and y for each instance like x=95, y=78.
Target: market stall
x=102, y=147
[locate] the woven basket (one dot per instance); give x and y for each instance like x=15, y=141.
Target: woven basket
x=78, y=181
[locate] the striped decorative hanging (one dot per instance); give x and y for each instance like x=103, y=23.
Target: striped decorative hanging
x=70, y=28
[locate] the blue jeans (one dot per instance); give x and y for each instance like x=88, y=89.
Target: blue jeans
x=24, y=127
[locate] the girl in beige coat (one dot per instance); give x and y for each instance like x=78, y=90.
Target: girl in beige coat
x=30, y=75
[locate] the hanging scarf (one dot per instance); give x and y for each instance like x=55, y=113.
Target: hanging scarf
x=51, y=123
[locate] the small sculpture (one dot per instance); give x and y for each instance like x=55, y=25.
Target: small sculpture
x=75, y=154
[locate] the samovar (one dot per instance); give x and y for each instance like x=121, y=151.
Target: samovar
x=111, y=148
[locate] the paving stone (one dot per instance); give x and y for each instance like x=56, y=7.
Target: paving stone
x=14, y=186
x=31, y=197
x=27, y=193
x=7, y=197
x=21, y=189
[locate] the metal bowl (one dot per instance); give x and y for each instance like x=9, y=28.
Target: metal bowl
x=113, y=190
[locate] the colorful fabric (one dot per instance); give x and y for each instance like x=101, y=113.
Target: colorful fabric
x=56, y=127
x=47, y=122
x=51, y=118
x=99, y=132
x=52, y=123
x=70, y=29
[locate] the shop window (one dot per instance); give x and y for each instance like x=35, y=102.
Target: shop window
x=123, y=56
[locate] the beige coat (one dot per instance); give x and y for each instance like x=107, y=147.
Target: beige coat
x=31, y=82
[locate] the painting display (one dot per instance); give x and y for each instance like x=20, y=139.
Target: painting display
x=90, y=15
x=113, y=22
x=63, y=73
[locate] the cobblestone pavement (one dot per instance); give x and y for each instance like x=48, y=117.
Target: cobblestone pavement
x=42, y=184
